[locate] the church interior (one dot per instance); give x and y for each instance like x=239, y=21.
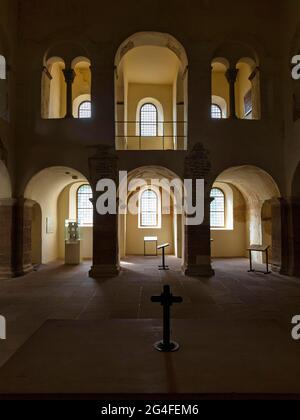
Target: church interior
x=159, y=91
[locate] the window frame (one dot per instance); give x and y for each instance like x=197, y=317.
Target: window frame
x=80, y=105
x=219, y=108
x=77, y=206
x=224, y=211
x=141, y=121
x=158, y=208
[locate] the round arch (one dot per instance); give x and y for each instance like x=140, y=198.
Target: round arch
x=233, y=51
x=256, y=187
x=160, y=178
x=70, y=51
x=43, y=191
x=158, y=39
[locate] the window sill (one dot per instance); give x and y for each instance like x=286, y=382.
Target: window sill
x=149, y=227
x=222, y=229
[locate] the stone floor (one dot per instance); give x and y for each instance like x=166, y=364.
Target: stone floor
x=67, y=293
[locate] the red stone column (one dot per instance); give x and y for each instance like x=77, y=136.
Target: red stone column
x=21, y=239
x=69, y=79
x=104, y=165
x=6, y=224
x=231, y=76
x=293, y=230
x=197, y=238
x=280, y=241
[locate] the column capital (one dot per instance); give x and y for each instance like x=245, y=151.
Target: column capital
x=231, y=74
x=69, y=75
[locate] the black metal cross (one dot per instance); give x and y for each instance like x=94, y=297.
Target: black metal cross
x=166, y=299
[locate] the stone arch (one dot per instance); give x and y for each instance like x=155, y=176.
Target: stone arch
x=159, y=176
x=240, y=78
x=159, y=39
x=44, y=190
x=233, y=50
x=67, y=69
x=257, y=187
x=175, y=58
x=68, y=50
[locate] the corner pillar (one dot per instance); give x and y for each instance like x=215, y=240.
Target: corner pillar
x=293, y=243
x=280, y=240
x=197, y=237
x=6, y=246
x=104, y=165
x=22, y=225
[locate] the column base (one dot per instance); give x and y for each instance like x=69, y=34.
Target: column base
x=9, y=273
x=196, y=270
x=6, y=274
x=23, y=271
x=104, y=271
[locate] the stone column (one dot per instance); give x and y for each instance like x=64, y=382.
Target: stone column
x=69, y=78
x=6, y=248
x=197, y=238
x=22, y=224
x=231, y=75
x=280, y=242
x=293, y=229
x=104, y=165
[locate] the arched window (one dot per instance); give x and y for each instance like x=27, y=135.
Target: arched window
x=148, y=120
x=2, y=68
x=216, y=112
x=149, y=209
x=217, y=208
x=84, y=205
x=85, y=109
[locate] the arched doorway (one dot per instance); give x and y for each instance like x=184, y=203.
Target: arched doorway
x=249, y=194
x=165, y=187
x=53, y=197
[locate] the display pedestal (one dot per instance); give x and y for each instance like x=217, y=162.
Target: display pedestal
x=73, y=252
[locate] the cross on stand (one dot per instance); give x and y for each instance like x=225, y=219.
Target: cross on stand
x=166, y=299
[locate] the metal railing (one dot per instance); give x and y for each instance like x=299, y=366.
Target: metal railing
x=170, y=135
